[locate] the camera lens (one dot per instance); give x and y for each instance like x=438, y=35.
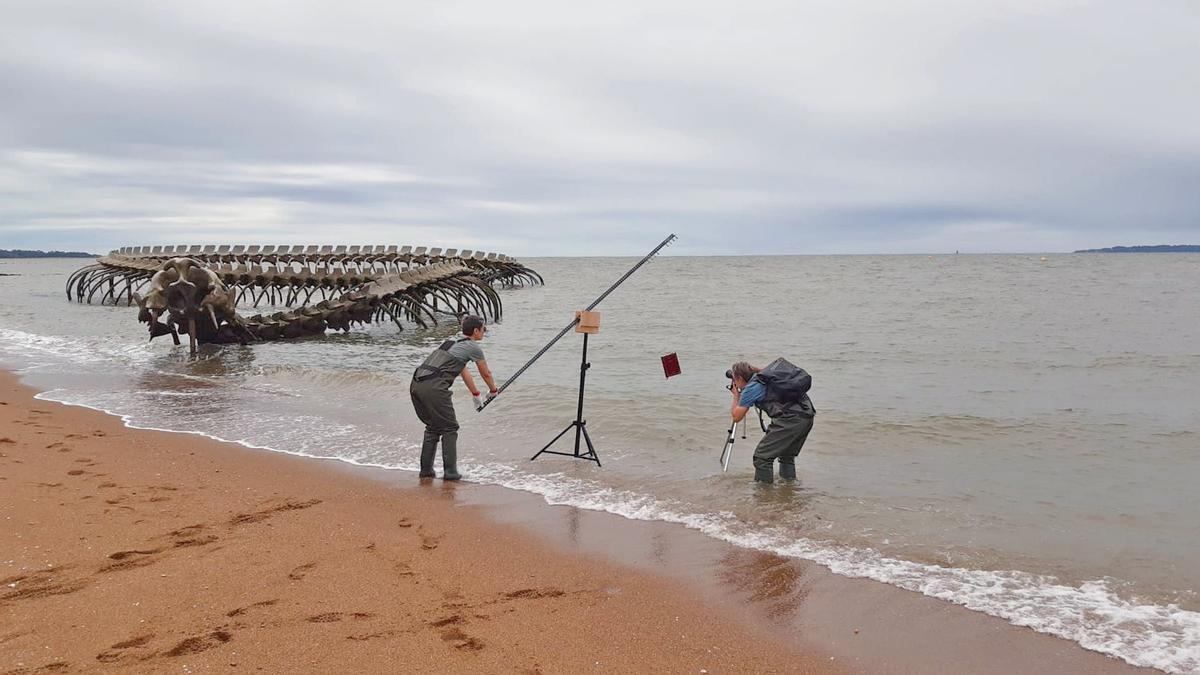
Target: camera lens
x=729, y=374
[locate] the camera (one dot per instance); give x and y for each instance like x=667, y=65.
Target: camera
x=729, y=374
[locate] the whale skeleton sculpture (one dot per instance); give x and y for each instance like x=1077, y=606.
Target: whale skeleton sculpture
x=279, y=275
x=197, y=289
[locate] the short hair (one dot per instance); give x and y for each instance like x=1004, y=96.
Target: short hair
x=744, y=370
x=471, y=322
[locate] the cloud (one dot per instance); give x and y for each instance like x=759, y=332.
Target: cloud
x=549, y=128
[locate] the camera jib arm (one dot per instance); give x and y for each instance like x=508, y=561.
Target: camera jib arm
x=590, y=324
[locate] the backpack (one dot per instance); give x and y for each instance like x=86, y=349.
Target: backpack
x=785, y=381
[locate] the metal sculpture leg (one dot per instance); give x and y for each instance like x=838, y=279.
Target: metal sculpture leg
x=192, y=334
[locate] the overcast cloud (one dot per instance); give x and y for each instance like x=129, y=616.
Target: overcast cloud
x=556, y=128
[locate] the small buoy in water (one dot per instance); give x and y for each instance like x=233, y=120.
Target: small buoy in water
x=1043, y=258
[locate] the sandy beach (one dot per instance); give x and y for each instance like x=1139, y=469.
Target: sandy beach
x=130, y=550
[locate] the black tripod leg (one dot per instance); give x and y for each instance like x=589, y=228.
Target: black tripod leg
x=560, y=435
x=591, y=448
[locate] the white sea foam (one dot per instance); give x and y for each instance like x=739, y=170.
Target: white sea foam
x=1092, y=614
x=45, y=350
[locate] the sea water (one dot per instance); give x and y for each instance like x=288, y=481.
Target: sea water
x=1018, y=434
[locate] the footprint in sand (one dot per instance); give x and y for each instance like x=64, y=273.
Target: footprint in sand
x=334, y=617
x=39, y=585
x=56, y=667
x=462, y=641
x=117, y=651
x=195, y=541
x=127, y=560
x=199, y=643
x=452, y=620
x=372, y=636
x=535, y=593
x=190, y=536
x=256, y=516
x=301, y=571
x=186, y=531
x=242, y=610
x=122, y=555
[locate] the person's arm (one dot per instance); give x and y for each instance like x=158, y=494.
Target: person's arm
x=486, y=374
x=737, y=411
x=745, y=398
x=469, y=381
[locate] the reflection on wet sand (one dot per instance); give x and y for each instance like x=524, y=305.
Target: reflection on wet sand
x=770, y=581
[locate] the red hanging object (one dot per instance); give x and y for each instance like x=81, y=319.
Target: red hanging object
x=671, y=365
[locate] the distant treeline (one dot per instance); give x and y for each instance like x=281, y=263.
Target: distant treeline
x=19, y=253
x=1164, y=248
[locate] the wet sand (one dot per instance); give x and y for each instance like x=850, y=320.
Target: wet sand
x=129, y=550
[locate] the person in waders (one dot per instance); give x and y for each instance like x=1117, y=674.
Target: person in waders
x=781, y=391
x=430, y=391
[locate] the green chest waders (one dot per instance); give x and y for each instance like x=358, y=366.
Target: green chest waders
x=791, y=421
x=430, y=392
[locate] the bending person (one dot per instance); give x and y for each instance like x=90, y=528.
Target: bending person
x=430, y=391
x=781, y=391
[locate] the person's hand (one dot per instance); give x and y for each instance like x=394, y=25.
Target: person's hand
x=478, y=401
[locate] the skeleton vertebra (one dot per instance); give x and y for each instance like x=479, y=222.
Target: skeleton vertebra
x=198, y=289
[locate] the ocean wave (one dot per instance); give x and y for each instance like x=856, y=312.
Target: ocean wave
x=947, y=429
x=34, y=349
x=340, y=382
x=129, y=420
x=1148, y=362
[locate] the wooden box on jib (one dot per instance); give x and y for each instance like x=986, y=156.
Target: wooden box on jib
x=589, y=322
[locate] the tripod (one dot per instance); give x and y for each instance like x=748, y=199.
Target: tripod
x=579, y=424
x=727, y=451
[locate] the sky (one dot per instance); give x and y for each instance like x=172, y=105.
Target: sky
x=560, y=128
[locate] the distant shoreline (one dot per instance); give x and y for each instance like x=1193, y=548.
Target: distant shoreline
x=1164, y=248
x=23, y=254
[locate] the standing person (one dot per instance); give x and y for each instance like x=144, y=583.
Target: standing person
x=430, y=391
x=781, y=391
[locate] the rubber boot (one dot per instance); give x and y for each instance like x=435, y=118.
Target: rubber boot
x=428, y=452
x=450, y=456
x=787, y=469
x=764, y=474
